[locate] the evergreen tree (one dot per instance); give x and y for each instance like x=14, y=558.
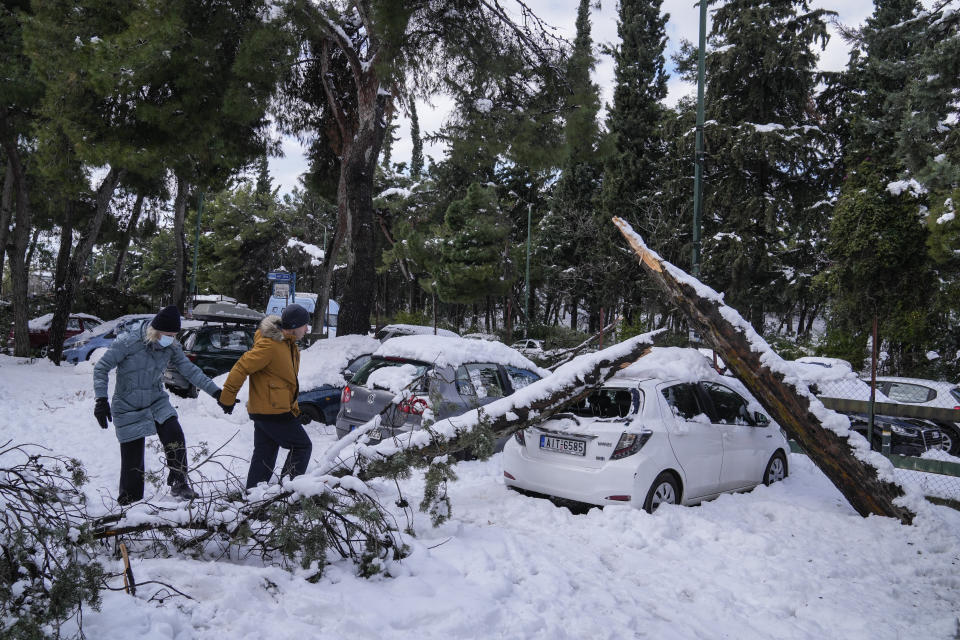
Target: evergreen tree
x=469, y=249
x=764, y=151
x=577, y=266
x=416, y=156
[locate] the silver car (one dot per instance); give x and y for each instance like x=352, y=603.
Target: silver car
x=434, y=375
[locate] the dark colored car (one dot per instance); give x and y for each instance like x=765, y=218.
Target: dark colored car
x=39, y=329
x=908, y=436
x=214, y=347
x=323, y=403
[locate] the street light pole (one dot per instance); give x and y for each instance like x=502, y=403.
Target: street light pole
x=196, y=254
x=526, y=305
x=698, y=161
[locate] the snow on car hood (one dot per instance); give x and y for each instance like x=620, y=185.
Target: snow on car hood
x=442, y=351
x=323, y=362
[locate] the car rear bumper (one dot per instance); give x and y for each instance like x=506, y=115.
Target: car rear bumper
x=593, y=486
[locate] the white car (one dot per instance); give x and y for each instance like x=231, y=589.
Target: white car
x=651, y=436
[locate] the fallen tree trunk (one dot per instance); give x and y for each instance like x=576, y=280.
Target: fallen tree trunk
x=864, y=478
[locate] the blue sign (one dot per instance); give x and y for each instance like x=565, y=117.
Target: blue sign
x=280, y=276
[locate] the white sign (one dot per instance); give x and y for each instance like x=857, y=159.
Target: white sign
x=281, y=290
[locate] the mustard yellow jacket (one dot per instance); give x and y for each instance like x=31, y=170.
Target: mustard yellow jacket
x=272, y=366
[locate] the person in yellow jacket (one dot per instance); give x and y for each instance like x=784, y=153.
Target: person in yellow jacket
x=272, y=366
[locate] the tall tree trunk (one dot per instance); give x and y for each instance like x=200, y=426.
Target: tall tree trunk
x=789, y=403
x=34, y=240
x=355, y=203
x=21, y=237
x=65, y=295
x=124, y=242
x=6, y=212
x=66, y=245
x=573, y=312
x=179, y=215
x=329, y=261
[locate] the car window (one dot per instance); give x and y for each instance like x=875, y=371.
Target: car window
x=480, y=380
x=378, y=363
x=89, y=323
x=608, y=402
x=955, y=392
x=356, y=363
x=73, y=324
x=730, y=407
x=519, y=378
x=230, y=340
x=906, y=392
x=683, y=401
x=189, y=340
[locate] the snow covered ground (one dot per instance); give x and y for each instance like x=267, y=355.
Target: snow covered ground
x=788, y=561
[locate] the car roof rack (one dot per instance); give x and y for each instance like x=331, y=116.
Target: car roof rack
x=227, y=313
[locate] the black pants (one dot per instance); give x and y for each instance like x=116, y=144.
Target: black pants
x=132, y=466
x=269, y=434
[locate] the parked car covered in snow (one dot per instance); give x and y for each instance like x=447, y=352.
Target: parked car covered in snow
x=39, y=329
x=442, y=375
x=667, y=429
x=397, y=330
x=326, y=368
x=80, y=347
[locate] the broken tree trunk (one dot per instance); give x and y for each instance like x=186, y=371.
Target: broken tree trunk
x=789, y=403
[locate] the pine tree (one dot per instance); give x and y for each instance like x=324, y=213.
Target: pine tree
x=469, y=249
x=576, y=266
x=416, y=156
x=764, y=152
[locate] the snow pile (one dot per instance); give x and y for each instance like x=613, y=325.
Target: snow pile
x=324, y=361
x=443, y=351
x=393, y=379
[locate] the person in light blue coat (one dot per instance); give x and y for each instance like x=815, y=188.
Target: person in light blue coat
x=141, y=406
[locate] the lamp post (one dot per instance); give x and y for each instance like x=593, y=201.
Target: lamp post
x=196, y=255
x=526, y=304
x=698, y=160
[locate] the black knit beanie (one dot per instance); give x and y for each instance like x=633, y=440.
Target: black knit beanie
x=294, y=316
x=167, y=320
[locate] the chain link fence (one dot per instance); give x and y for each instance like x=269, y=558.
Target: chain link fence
x=915, y=423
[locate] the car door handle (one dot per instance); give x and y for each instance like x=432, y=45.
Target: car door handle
x=769, y=435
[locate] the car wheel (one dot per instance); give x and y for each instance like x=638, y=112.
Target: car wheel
x=193, y=392
x=664, y=490
x=950, y=440
x=776, y=469
x=311, y=412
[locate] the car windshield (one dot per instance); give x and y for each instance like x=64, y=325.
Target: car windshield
x=379, y=363
x=608, y=402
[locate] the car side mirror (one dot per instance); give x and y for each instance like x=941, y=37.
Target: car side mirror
x=761, y=419
x=348, y=376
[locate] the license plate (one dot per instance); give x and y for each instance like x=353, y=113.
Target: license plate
x=563, y=445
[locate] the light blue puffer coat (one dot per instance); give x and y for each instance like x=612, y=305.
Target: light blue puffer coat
x=139, y=399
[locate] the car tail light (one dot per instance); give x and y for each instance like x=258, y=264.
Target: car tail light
x=520, y=438
x=507, y=475
x=618, y=498
x=413, y=405
x=345, y=395
x=629, y=444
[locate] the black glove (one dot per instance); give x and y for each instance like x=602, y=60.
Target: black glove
x=305, y=419
x=102, y=412
x=226, y=408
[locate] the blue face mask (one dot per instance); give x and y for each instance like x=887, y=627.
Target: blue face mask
x=165, y=341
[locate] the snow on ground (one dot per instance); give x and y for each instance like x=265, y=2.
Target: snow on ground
x=788, y=561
